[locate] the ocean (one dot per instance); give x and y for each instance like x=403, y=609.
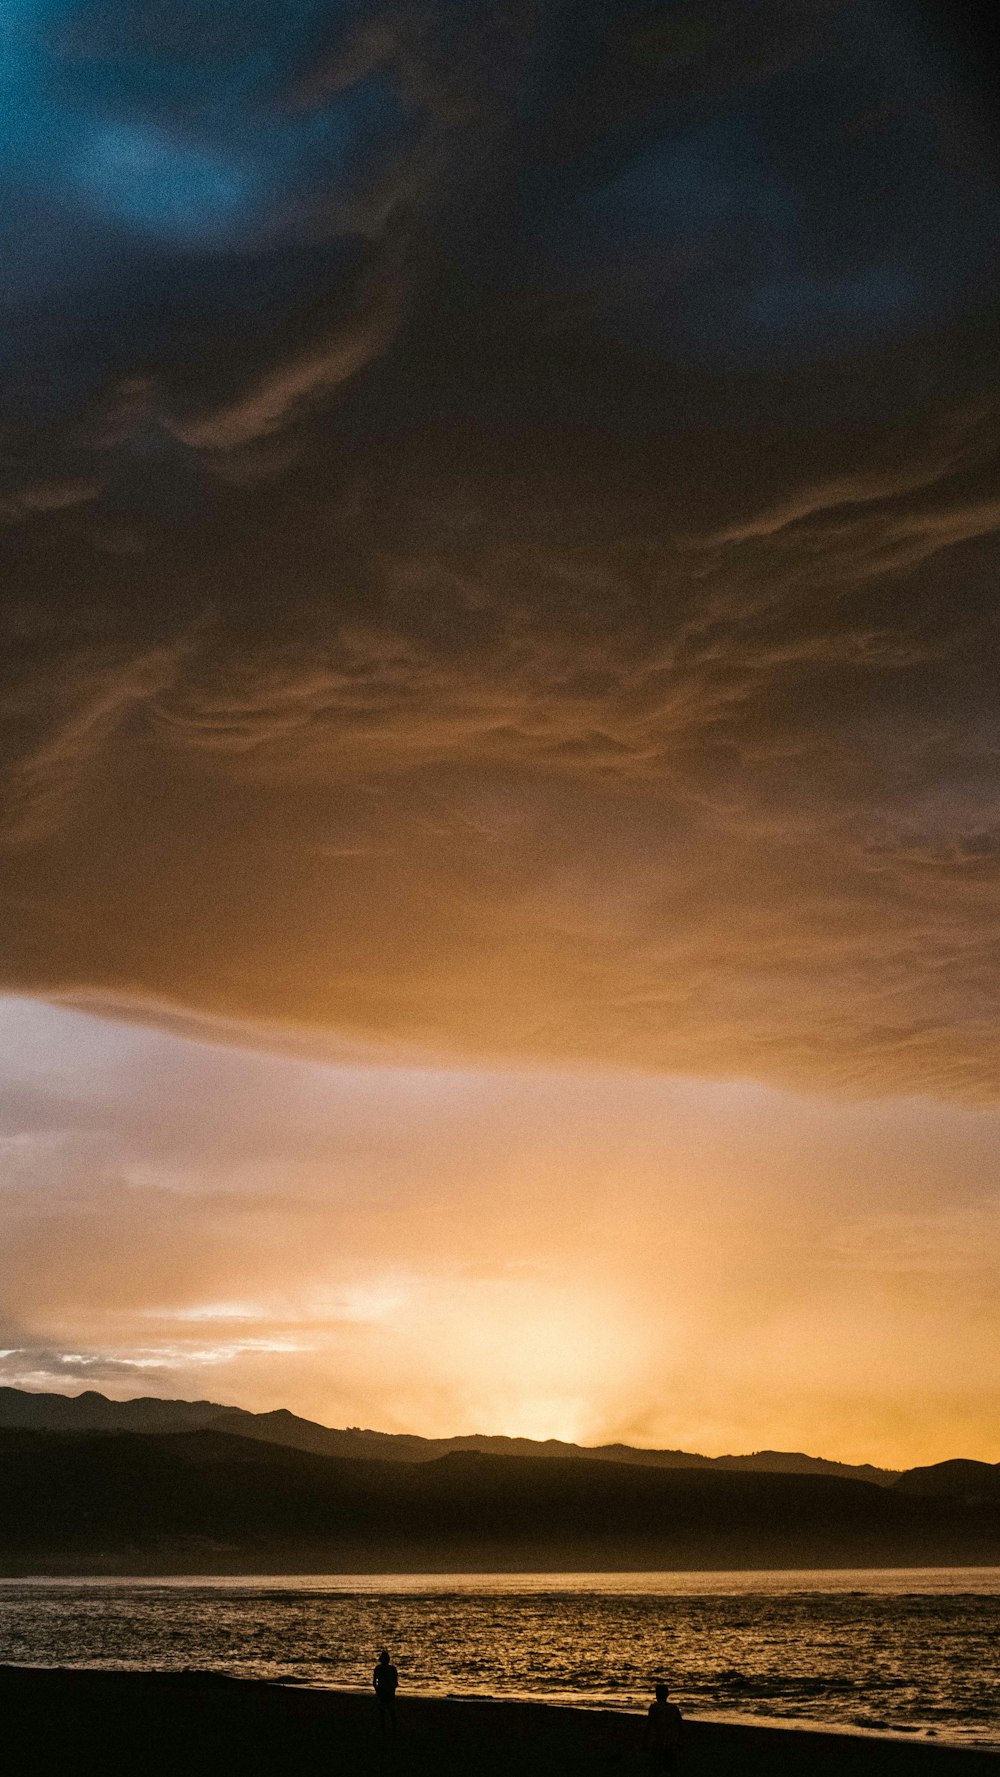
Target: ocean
x=902, y=1651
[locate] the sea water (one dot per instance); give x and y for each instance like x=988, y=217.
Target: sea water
x=902, y=1651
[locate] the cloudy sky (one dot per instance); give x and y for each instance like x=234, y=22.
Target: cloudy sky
x=499, y=852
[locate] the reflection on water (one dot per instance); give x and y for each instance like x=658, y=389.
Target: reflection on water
x=913, y=1651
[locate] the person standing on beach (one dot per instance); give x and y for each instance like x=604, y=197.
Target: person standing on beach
x=385, y=1683
x=664, y=1732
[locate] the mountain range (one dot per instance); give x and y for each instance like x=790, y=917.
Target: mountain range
x=210, y=1502
x=91, y=1411
x=138, y=1492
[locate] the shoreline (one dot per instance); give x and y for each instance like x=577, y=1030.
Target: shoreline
x=915, y=1736
x=577, y=1704
x=62, y=1719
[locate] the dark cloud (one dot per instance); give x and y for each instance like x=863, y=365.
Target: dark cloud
x=500, y=534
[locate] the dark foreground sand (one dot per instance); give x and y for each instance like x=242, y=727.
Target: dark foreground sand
x=190, y=1725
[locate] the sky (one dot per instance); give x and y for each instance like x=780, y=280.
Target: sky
x=499, y=845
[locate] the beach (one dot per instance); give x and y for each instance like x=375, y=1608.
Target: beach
x=196, y=1724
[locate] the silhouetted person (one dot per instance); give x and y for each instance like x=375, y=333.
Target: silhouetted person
x=664, y=1731
x=385, y=1682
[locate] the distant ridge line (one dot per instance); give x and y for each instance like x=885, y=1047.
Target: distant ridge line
x=90, y=1411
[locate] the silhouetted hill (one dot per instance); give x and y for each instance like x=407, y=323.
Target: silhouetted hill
x=795, y=1462
x=94, y=1412
x=209, y=1502
x=972, y=1483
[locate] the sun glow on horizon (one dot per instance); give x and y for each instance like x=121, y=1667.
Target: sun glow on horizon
x=536, y=1253
x=541, y=1359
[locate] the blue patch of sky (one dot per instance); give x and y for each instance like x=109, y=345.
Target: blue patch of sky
x=174, y=149
x=145, y=179
x=880, y=293
x=830, y=208
x=709, y=178
x=711, y=246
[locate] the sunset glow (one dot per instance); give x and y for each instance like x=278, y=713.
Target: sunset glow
x=547, y=1253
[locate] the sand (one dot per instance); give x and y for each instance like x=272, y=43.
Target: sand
x=193, y=1724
